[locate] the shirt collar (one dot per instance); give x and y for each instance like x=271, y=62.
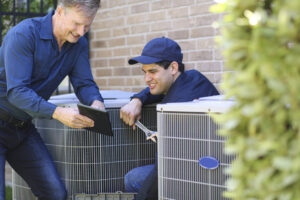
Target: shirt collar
x=46, y=31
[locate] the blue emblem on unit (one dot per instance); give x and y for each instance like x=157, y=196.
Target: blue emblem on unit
x=209, y=162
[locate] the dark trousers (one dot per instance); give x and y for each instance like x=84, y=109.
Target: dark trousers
x=28, y=156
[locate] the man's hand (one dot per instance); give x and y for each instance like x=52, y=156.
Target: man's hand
x=98, y=104
x=71, y=117
x=131, y=112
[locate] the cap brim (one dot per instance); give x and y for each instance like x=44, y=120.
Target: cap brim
x=144, y=60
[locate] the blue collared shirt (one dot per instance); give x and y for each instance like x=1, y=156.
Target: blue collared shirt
x=188, y=86
x=32, y=67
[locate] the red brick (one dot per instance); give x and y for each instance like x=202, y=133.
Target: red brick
x=157, y=16
x=182, y=34
x=136, y=40
x=123, y=11
x=183, y=23
x=206, y=20
x=103, y=53
x=206, y=43
x=137, y=50
x=187, y=45
x=201, y=9
x=116, y=81
x=116, y=42
x=121, y=71
x=178, y=3
x=135, y=1
x=99, y=63
x=202, y=1
x=137, y=70
x=101, y=82
x=202, y=32
x=151, y=36
x=115, y=3
x=188, y=66
x=99, y=44
x=121, y=32
x=160, y=26
x=103, y=72
x=162, y=4
x=140, y=29
x=117, y=62
x=121, y=51
x=200, y=55
x=135, y=81
x=209, y=66
x=137, y=19
x=218, y=54
x=140, y=8
x=102, y=34
x=178, y=12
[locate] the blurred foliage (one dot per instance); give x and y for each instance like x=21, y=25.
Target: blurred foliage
x=261, y=46
x=21, y=7
x=8, y=193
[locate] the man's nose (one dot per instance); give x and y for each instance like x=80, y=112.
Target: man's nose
x=147, y=77
x=81, y=30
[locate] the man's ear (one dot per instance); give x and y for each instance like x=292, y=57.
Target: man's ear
x=59, y=10
x=174, y=67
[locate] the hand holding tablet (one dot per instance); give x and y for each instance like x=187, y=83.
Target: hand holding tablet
x=100, y=117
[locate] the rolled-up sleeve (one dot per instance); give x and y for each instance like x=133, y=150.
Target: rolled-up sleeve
x=19, y=51
x=82, y=80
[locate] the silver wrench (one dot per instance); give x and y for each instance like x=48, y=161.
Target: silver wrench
x=149, y=134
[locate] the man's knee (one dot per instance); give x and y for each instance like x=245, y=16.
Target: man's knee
x=130, y=182
x=58, y=193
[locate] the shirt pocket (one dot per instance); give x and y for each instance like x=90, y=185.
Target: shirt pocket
x=41, y=68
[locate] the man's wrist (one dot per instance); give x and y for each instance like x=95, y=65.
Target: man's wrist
x=56, y=113
x=137, y=101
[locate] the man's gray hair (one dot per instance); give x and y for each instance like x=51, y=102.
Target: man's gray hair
x=89, y=6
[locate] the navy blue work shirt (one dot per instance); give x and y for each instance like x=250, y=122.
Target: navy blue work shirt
x=32, y=67
x=190, y=85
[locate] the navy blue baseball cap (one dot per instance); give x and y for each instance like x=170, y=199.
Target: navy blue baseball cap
x=157, y=50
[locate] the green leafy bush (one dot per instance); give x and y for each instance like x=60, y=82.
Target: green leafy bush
x=261, y=45
x=8, y=193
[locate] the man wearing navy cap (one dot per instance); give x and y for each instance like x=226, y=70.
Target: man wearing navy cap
x=167, y=82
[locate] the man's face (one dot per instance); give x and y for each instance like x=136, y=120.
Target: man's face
x=158, y=79
x=75, y=23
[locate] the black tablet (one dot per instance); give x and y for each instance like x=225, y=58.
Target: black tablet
x=100, y=117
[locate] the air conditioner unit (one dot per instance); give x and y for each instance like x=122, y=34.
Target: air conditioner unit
x=191, y=159
x=92, y=163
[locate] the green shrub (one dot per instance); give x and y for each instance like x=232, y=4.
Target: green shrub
x=8, y=193
x=261, y=45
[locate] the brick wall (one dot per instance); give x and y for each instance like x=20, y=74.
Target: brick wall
x=122, y=28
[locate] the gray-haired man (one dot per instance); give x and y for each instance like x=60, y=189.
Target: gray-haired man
x=36, y=55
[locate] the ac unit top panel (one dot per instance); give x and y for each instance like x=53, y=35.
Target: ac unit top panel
x=106, y=94
x=213, y=104
x=112, y=99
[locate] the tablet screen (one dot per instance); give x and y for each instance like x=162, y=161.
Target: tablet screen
x=100, y=117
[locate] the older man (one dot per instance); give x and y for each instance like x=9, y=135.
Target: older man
x=36, y=55
x=167, y=82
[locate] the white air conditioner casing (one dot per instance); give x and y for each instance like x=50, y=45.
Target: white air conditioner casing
x=92, y=163
x=186, y=136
